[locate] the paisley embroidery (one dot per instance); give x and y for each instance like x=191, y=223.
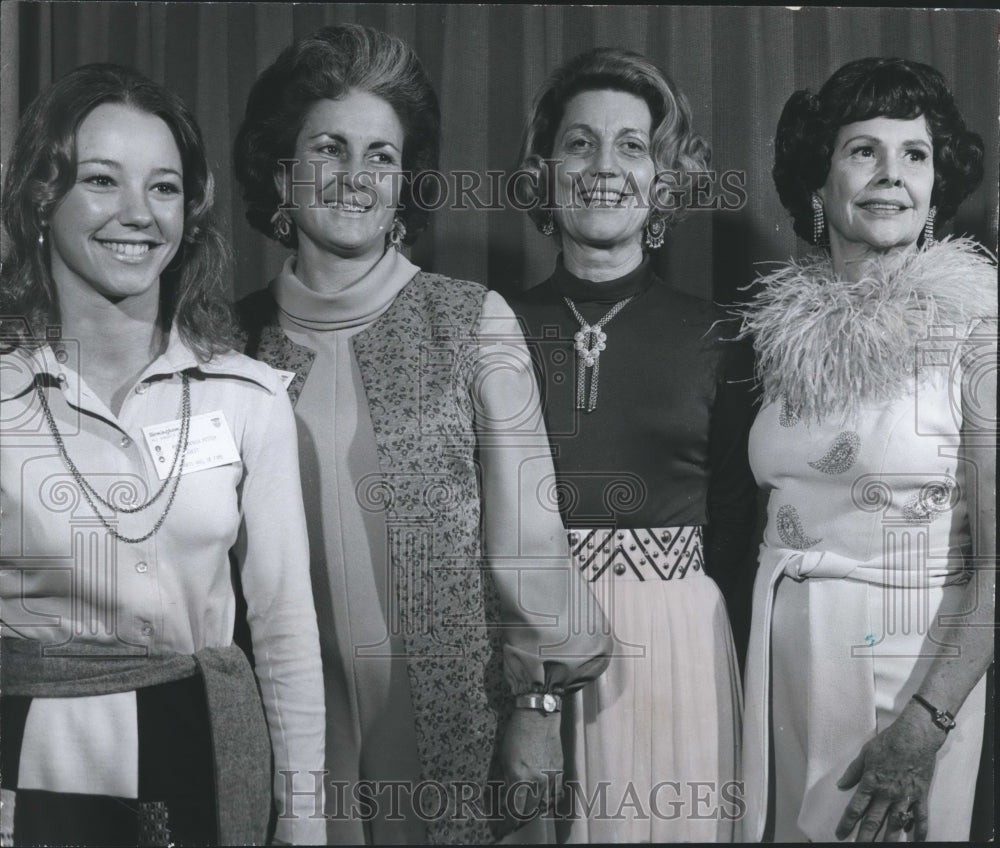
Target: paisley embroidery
x=841, y=456
x=932, y=500
x=790, y=531
x=787, y=415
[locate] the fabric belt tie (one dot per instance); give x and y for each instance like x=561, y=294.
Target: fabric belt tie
x=885, y=571
x=240, y=742
x=654, y=553
x=882, y=571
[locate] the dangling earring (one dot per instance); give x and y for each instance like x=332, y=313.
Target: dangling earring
x=929, y=227
x=818, y=222
x=656, y=228
x=282, y=225
x=397, y=233
x=549, y=227
x=41, y=239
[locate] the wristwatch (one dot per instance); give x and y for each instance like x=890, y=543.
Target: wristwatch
x=942, y=718
x=545, y=703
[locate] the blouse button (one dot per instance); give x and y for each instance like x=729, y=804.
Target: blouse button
x=142, y=568
x=61, y=355
x=126, y=442
x=147, y=630
x=141, y=389
x=620, y=568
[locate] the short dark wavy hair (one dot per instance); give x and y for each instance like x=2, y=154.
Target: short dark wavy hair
x=325, y=66
x=675, y=146
x=42, y=169
x=858, y=91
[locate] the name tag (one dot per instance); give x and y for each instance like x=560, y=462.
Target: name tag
x=210, y=444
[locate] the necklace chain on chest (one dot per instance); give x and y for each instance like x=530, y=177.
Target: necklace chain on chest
x=589, y=341
x=91, y=494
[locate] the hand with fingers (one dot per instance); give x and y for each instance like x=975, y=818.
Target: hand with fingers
x=892, y=776
x=532, y=757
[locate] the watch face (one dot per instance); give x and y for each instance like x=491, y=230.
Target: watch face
x=549, y=703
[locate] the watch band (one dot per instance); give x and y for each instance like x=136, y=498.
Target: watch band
x=543, y=702
x=942, y=718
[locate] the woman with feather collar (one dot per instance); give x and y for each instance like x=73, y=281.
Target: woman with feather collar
x=873, y=606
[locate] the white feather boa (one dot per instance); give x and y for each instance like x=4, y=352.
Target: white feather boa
x=830, y=346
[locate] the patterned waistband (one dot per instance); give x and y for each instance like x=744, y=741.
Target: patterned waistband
x=664, y=553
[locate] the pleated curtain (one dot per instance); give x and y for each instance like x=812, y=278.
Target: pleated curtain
x=737, y=67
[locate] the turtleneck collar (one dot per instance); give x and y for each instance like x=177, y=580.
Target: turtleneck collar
x=358, y=304
x=634, y=282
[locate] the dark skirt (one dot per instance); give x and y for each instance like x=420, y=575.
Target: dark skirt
x=176, y=801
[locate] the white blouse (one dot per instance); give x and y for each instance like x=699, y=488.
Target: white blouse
x=64, y=579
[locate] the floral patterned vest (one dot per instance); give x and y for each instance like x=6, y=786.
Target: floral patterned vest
x=417, y=363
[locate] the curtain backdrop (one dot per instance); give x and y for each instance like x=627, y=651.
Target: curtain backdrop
x=736, y=65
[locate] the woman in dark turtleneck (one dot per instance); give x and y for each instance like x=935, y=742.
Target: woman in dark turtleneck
x=649, y=435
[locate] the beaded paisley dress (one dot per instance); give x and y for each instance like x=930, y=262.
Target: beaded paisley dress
x=857, y=446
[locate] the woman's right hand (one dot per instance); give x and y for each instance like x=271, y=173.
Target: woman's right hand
x=893, y=775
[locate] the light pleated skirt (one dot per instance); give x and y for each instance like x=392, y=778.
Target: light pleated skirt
x=652, y=746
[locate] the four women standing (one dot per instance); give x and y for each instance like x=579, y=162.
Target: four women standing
x=451, y=624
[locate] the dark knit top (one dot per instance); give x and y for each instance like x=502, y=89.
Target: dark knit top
x=666, y=445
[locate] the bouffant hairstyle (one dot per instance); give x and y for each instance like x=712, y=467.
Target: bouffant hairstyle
x=42, y=170
x=674, y=146
x=858, y=91
x=325, y=66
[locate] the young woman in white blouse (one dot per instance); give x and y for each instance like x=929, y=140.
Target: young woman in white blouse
x=139, y=452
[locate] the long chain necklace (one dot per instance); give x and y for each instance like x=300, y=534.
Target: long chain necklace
x=589, y=341
x=90, y=494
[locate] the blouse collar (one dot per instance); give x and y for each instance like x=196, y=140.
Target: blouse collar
x=634, y=282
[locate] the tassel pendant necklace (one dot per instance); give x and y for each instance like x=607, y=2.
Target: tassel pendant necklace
x=589, y=341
